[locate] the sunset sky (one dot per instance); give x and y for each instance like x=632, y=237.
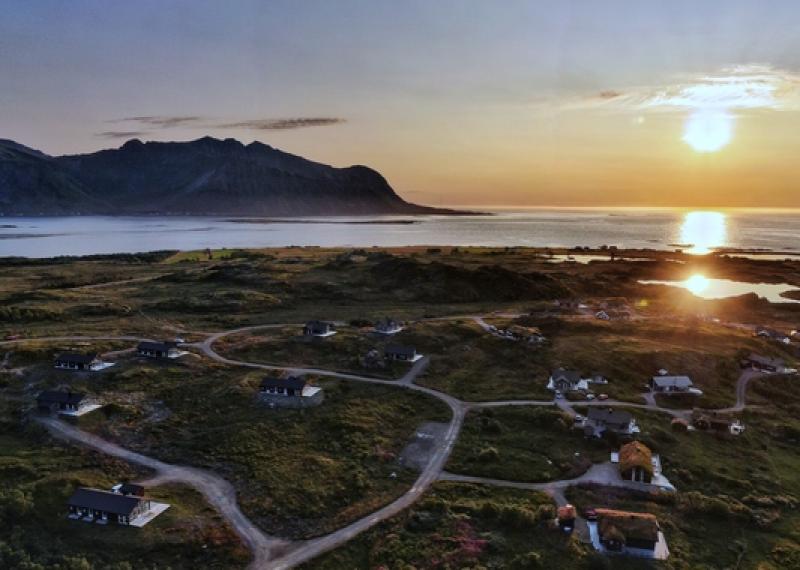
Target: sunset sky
x=456, y=102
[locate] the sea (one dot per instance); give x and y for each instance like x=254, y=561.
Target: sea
x=697, y=231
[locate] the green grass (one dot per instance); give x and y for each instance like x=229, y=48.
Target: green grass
x=343, y=352
x=38, y=476
x=474, y=365
x=298, y=473
x=463, y=526
x=531, y=444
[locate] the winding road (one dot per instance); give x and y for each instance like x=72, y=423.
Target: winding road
x=271, y=552
x=219, y=492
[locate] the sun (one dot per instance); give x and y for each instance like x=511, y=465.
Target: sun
x=708, y=130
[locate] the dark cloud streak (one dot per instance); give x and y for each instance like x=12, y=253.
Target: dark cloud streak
x=120, y=134
x=163, y=122
x=283, y=124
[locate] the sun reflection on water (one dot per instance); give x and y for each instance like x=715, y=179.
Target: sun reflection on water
x=696, y=284
x=705, y=231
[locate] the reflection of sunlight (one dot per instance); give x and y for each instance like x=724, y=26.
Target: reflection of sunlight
x=708, y=130
x=704, y=231
x=696, y=284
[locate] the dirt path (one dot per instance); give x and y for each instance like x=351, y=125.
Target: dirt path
x=219, y=493
x=272, y=552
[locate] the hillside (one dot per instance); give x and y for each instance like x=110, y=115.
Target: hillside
x=202, y=177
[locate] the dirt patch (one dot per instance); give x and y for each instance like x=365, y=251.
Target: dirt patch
x=425, y=441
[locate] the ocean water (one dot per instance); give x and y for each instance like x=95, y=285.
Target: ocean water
x=697, y=231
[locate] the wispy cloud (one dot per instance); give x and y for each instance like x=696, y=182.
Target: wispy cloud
x=120, y=134
x=731, y=89
x=283, y=124
x=160, y=121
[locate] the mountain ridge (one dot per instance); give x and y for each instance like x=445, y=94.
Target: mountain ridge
x=206, y=176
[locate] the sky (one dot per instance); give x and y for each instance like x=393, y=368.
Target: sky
x=455, y=102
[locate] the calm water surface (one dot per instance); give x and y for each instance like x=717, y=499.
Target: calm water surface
x=656, y=229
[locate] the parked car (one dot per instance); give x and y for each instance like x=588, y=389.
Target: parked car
x=559, y=395
x=602, y=397
x=590, y=515
x=590, y=396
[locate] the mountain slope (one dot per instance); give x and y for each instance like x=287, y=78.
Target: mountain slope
x=33, y=183
x=202, y=177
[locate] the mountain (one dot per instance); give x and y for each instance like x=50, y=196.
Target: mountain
x=203, y=177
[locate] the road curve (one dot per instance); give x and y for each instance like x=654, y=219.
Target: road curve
x=313, y=548
x=219, y=492
x=271, y=552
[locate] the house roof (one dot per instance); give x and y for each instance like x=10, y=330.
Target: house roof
x=103, y=501
x=637, y=526
x=400, y=349
x=635, y=454
x=566, y=513
x=571, y=376
x=77, y=358
x=162, y=346
x=130, y=489
x=60, y=397
x=672, y=381
x=766, y=360
x=609, y=415
x=291, y=382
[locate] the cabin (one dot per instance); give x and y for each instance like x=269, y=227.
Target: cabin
x=763, y=363
x=290, y=386
x=401, y=352
x=566, y=517
x=773, y=334
x=158, y=349
x=636, y=462
x=387, y=326
x=75, y=361
x=673, y=385
x=600, y=420
x=95, y=505
x=319, y=329
x=563, y=380
x=289, y=392
x=56, y=401
x=633, y=534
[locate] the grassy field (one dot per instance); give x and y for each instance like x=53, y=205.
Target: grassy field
x=524, y=444
x=302, y=473
x=463, y=526
x=343, y=352
x=37, y=477
x=198, y=413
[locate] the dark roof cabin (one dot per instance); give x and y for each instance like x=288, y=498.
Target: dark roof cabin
x=399, y=352
x=290, y=386
x=56, y=400
x=614, y=420
x=75, y=361
x=763, y=363
x=318, y=328
x=565, y=380
x=156, y=349
x=95, y=504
